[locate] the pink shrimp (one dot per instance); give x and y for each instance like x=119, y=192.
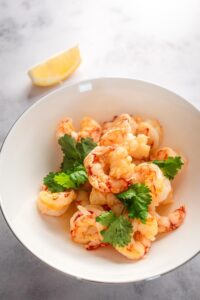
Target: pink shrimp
x=66, y=127
x=89, y=128
x=109, y=168
x=172, y=221
x=85, y=229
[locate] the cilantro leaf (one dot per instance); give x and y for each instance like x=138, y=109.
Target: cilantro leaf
x=136, y=199
x=170, y=166
x=79, y=176
x=72, y=173
x=69, y=164
x=68, y=146
x=74, y=152
x=60, y=181
x=106, y=218
x=119, y=229
x=64, y=180
x=118, y=232
x=51, y=184
x=85, y=146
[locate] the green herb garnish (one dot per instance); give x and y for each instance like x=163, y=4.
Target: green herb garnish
x=170, y=166
x=136, y=199
x=118, y=231
x=73, y=173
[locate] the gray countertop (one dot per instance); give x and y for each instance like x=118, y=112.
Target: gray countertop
x=154, y=41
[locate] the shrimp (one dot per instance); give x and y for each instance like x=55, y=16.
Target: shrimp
x=66, y=127
x=141, y=150
x=89, y=128
x=149, y=229
x=120, y=163
x=115, y=136
x=151, y=175
x=142, y=236
x=85, y=229
x=82, y=198
x=137, y=146
x=153, y=130
x=55, y=204
x=164, y=153
x=172, y=221
x=106, y=200
x=109, y=168
x=122, y=121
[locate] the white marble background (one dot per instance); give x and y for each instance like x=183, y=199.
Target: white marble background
x=157, y=41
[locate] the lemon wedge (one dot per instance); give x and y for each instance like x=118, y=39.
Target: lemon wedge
x=56, y=69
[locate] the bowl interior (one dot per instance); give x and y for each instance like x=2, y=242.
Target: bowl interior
x=31, y=151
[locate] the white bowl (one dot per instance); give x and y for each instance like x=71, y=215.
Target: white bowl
x=30, y=151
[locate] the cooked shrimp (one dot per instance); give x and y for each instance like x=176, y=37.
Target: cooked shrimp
x=151, y=175
x=149, y=229
x=55, y=204
x=106, y=199
x=142, y=236
x=172, y=221
x=85, y=229
x=153, y=130
x=89, y=128
x=169, y=199
x=163, y=153
x=120, y=163
x=109, y=168
x=115, y=136
x=137, y=146
x=122, y=121
x=82, y=198
x=141, y=150
x=137, y=248
x=66, y=127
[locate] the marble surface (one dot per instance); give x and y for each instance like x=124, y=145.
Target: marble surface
x=155, y=41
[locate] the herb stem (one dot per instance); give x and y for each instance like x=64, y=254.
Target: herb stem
x=124, y=210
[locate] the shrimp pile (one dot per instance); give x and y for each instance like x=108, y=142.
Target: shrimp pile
x=127, y=152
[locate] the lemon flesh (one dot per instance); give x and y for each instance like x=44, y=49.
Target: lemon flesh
x=56, y=69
